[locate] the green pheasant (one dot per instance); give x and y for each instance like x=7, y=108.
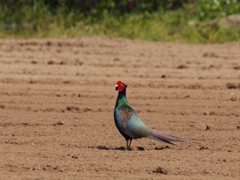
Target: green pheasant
x=130, y=125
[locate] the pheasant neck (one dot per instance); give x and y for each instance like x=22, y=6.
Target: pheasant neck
x=122, y=94
x=121, y=100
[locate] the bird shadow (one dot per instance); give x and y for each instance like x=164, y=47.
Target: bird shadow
x=121, y=148
x=107, y=148
x=161, y=148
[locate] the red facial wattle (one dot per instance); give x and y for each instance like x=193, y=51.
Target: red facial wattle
x=120, y=86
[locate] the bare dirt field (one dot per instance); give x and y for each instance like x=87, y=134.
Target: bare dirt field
x=57, y=98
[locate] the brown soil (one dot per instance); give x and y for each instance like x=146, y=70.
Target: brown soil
x=57, y=98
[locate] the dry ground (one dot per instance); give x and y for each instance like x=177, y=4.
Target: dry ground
x=57, y=98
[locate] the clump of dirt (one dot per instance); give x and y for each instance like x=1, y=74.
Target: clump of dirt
x=161, y=170
x=233, y=85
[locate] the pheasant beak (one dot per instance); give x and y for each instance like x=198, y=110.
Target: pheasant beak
x=116, y=87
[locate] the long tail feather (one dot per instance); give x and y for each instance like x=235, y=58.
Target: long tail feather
x=167, y=138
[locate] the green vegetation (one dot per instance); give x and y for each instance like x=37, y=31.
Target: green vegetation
x=165, y=20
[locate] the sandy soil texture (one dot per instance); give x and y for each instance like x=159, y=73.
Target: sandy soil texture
x=57, y=98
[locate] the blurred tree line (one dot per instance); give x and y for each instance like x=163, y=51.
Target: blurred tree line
x=98, y=7
x=122, y=17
